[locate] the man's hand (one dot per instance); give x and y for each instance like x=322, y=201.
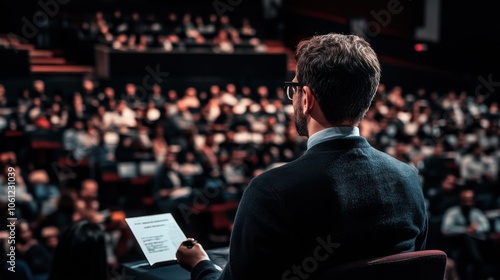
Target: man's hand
x=472, y=228
x=189, y=257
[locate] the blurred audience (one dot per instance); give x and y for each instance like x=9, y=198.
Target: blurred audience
x=139, y=32
x=218, y=137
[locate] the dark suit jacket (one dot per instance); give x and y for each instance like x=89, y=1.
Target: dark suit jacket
x=343, y=200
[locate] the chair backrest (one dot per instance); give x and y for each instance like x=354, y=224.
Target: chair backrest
x=420, y=265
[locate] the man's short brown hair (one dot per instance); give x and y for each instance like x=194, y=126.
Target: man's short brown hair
x=343, y=73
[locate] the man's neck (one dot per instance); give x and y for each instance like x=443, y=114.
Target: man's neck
x=315, y=126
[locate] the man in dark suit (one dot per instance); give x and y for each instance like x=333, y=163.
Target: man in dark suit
x=341, y=201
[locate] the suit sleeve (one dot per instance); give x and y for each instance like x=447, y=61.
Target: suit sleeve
x=205, y=270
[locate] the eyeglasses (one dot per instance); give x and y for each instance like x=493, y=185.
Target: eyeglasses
x=291, y=89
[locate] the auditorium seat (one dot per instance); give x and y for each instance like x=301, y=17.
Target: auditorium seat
x=221, y=214
x=46, y=144
x=420, y=265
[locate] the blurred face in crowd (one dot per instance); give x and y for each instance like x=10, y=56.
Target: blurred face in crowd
x=39, y=85
x=101, y=110
x=78, y=125
x=172, y=17
x=190, y=157
x=467, y=198
x=223, y=36
x=130, y=89
x=170, y=159
x=199, y=20
x=191, y=92
x=25, y=231
x=438, y=150
x=55, y=108
x=156, y=89
x=246, y=91
x=77, y=98
x=181, y=106
x=214, y=90
x=213, y=18
x=89, y=189
x=262, y=91
x=121, y=106
x=231, y=88
x=172, y=94
x=127, y=142
x=88, y=85
x=109, y=92
x=26, y=94
x=449, y=183
x=37, y=102
x=224, y=20
x=477, y=151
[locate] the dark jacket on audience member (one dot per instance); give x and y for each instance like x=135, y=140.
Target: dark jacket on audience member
x=343, y=200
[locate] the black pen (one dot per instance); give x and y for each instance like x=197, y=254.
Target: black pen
x=189, y=243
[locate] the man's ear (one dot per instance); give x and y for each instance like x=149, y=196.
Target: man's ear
x=308, y=100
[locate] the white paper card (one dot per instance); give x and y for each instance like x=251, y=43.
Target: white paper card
x=159, y=236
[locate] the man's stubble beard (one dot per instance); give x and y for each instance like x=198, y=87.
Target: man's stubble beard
x=300, y=122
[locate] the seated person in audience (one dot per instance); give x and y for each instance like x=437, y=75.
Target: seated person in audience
x=247, y=31
x=477, y=168
x=36, y=110
x=21, y=270
x=122, y=115
x=4, y=103
x=125, y=151
x=223, y=42
x=40, y=92
x=480, y=170
x=31, y=251
x=131, y=96
x=120, y=42
x=225, y=23
x=105, y=37
x=191, y=100
x=236, y=172
x=64, y=216
x=77, y=109
x=190, y=167
x=201, y=27
x=465, y=226
x=143, y=43
x=235, y=37
x=136, y=25
x=157, y=96
x=72, y=135
x=443, y=198
x=172, y=25
x=435, y=167
x=80, y=253
x=170, y=188
x=89, y=95
x=44, y=192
